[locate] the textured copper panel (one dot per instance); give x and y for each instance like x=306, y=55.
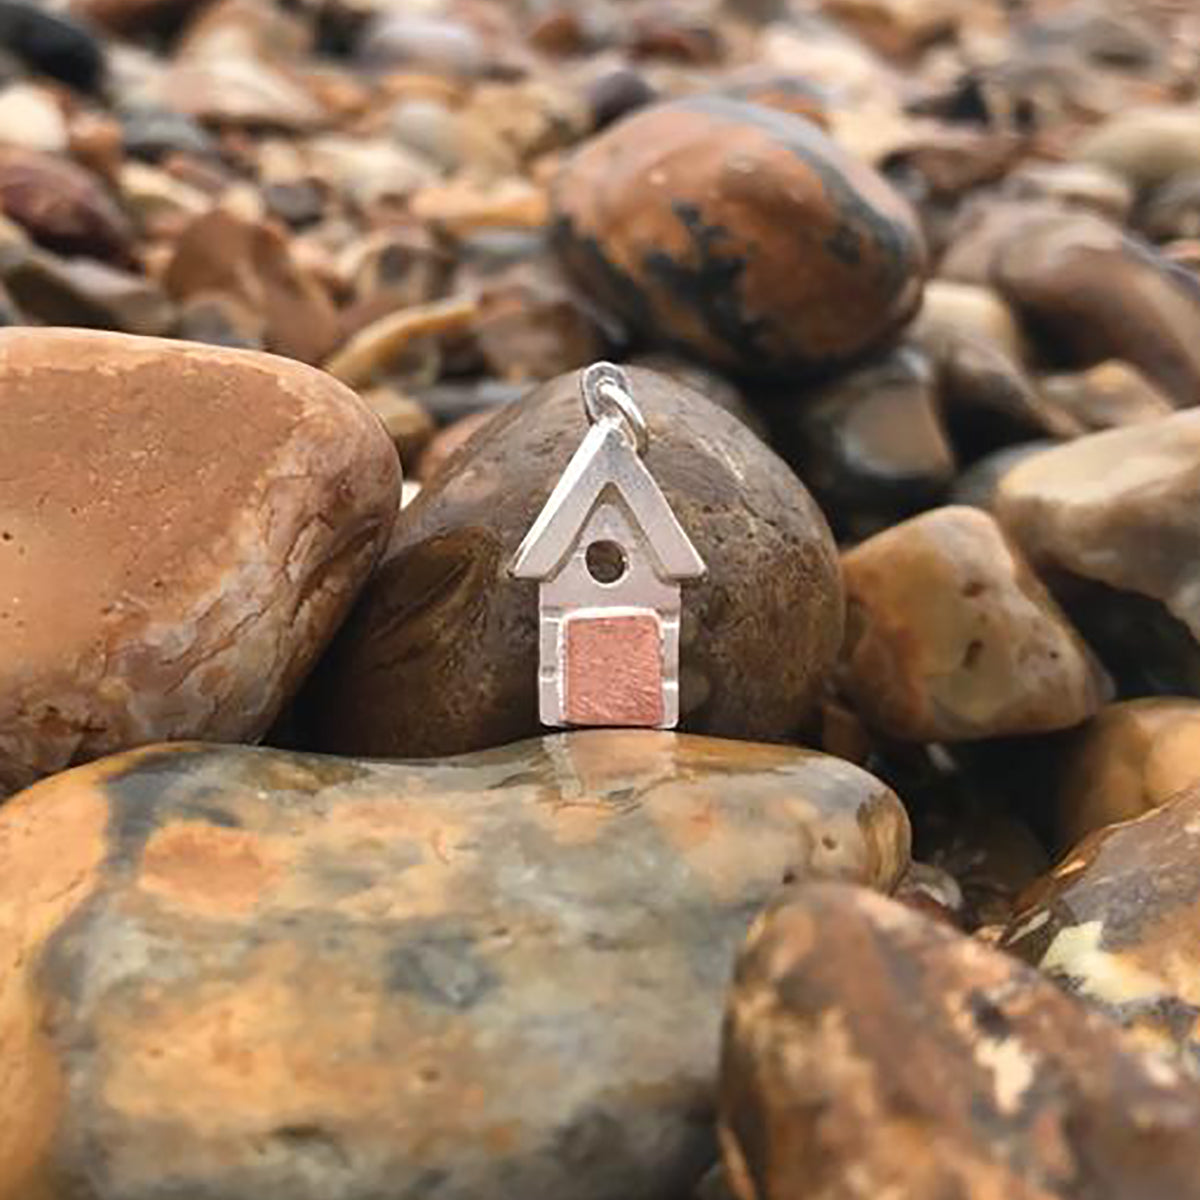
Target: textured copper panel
x=613, y=670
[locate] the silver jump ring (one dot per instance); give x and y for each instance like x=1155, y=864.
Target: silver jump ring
x=606, y=393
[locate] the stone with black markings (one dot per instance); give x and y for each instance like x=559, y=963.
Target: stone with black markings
x=871, y=1051
x=234, y=972
x=741, y=234
x=1115, y=923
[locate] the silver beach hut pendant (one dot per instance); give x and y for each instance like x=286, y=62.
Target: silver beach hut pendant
x=609, y=557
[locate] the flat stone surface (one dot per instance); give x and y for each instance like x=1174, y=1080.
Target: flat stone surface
x=229, y=972
x=181, y=530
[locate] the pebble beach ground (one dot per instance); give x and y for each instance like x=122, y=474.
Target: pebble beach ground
x=300, y=900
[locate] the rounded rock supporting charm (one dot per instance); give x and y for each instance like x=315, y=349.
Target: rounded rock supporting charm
x=609, y=557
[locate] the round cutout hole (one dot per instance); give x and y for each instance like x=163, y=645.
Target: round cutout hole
x=606, y=562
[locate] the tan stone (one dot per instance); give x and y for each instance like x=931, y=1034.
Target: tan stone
x=1148, y=145
x=32, y=118
x=373, y=350
x=408, y=423
x=1119, y=508
x=251, y=261
x=1130, y=758
x=899, y=28
x=232, y=972
x=1106, y=396
x=951, y=310
x=950, y=635
x=182, y=529
x=240, y=90
x=871, y=1052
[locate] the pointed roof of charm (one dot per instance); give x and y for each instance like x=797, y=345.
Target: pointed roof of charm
x=606, y=459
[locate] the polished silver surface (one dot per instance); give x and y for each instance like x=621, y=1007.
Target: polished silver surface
x=607, y=501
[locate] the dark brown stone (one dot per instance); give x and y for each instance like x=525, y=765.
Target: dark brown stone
x=1115, y=924
x=759, y=633
x=990, y=402
x=870, y=1051
x=235, y=973
x=871, y=444
x=1096, y=293
x=63, y=206
x=740, y=233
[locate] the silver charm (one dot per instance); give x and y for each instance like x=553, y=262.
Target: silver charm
x=609, y=557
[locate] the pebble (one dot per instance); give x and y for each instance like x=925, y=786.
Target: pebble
x=251, y=261
x=241, y=91
x=1109, y=395
x=1114, y=923
x=1146, y=146
x=1172, y=211
x=407, y=422
x=532, y=326
x=740, y=234
x=63, y=206
x=190, y=620
x=871, y=1051
x=447, y=442
x=760, y=639
x=1088, y=186
x=427, y=43
x=87, y=293
x=871, y=445
x=293, y=975
x=30, y=117
x=977, y=485
x=152, y=134
x=952, y=310
x=52, y=43
x=950, y=636
x=922, y=253
x=1097, y=293
x=1114, y=518
x=372, y=351
x=988, y=401
x=1129, y=759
